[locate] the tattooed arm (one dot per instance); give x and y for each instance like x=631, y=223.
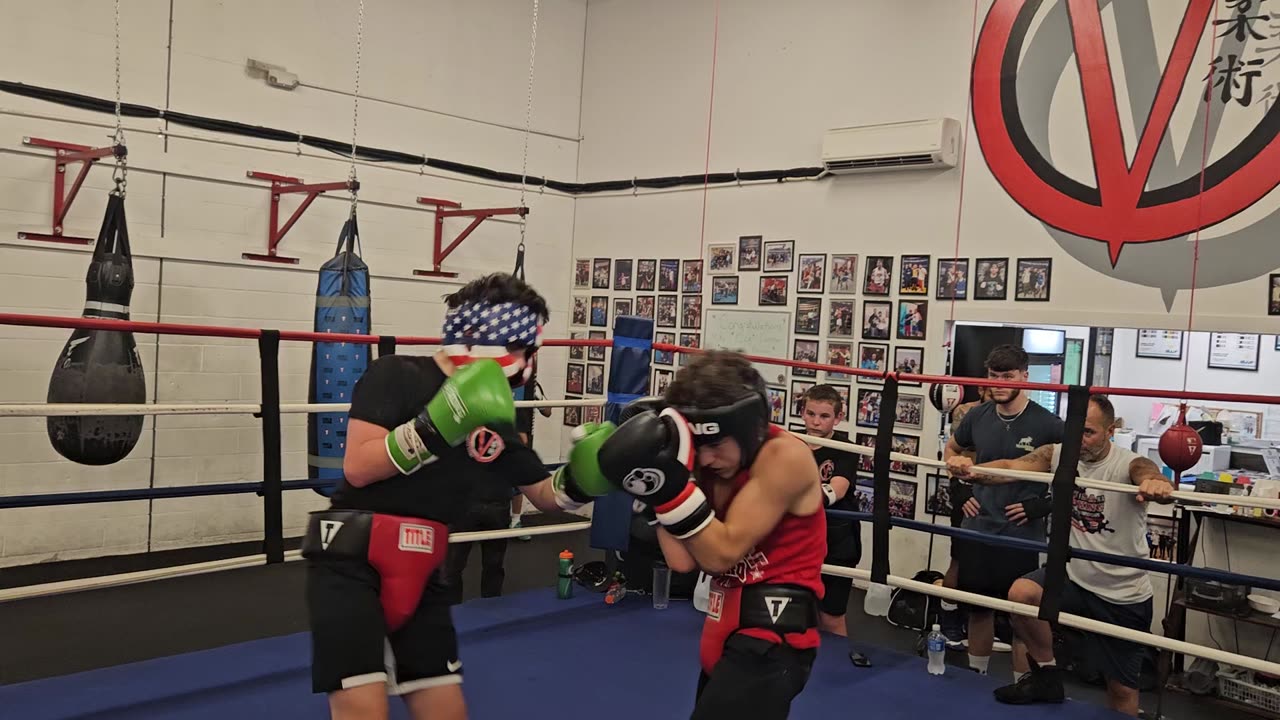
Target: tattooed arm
x=1038, y=460
x=1152, y=486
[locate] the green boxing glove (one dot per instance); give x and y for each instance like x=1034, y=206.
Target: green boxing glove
x=477, y=394
x=580, y=480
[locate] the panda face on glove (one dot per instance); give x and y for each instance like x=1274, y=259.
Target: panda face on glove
x=643, y=481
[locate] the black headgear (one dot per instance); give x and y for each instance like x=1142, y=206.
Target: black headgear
x=745, y=419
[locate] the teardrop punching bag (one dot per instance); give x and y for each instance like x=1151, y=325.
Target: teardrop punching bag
x=101, y=366
x=342, y=306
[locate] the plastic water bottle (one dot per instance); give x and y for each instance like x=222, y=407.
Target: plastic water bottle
x=564, y=578
x=937, y=645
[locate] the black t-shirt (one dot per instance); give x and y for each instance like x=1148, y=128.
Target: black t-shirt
x=838, y=463
x=393, y=391
x=994, y=438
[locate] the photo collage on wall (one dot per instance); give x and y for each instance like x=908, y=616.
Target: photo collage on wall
x=668, y=291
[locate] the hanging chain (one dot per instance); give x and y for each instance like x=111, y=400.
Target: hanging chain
x=528, y=118
x=120, y=174
x=355, y=107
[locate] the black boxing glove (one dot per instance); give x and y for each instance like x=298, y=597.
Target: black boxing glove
x=650, y=457
x=635, y=407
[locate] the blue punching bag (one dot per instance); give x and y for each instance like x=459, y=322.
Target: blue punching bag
x=628, y=381
x=101, y=366
x=342, y=306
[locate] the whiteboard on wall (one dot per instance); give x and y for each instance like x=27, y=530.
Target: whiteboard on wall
x=752, y=332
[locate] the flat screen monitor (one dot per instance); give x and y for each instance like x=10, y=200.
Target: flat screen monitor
x=1043, y=342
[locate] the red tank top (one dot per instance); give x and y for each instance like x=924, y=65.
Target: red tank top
x=790, y=555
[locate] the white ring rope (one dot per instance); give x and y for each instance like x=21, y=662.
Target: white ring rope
x=108, y=581
x=1075, y=621
x=1047, y=478
x=71, y=409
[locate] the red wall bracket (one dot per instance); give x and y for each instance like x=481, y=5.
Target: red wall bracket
x=285, y=185
x=67, y=153
x=449, y=209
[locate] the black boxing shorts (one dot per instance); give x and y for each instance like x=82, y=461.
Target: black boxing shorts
x=788, y=612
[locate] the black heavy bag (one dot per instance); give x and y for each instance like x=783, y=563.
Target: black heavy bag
x=101, y=366
x=342, y=306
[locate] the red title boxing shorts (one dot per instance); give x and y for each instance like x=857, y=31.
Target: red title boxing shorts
x=785, y=613
x=403, y=550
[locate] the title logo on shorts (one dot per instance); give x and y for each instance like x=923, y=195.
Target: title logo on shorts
x=776, y=605
x=643, y=481
x=417, y=538
x=715, y=604
x=328, y=531
x=484, y=445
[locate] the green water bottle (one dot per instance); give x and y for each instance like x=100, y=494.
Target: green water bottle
x=564, y=581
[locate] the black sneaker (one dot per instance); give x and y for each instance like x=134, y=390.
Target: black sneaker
x=1041, y=685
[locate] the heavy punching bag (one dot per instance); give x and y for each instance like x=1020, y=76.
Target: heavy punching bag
x=342, y=306
x=101, y=366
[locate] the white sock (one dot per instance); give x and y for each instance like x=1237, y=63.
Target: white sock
x=1017, y=676
x=980, y=663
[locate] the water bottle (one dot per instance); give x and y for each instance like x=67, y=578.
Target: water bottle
x=937, y=645
x=616, y=592
x=661, y=586
x=564, y=580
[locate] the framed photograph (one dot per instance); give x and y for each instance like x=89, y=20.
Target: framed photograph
x=691, y=317
x=841, y=321
x=661, y=380
x=805, y=351
x=844, y=275
x=1034, y=278
x=839, y=354
x=666, y=311
x=808, y=316
x=915, y=275
x=991, y=279
x=912, y=319
x=907, y=445
x=621, y=306
x=689, y=340
x=572, y=415
x=777, y=405
x=724, y=290
x=664, y=357
x=877, y=320
x=691, y=279
x=1234, y=351
x=645, y=306
x=908, y=360
x=779, y=256
x=581, y=273
x=668, y=275
x=773, y=289
x=646, y=275
x=879, y=278
x=721, y=257
x=597, y=352
x=591, y=414
x=577, y=352
x=953, y=279
x=872, y=356
x=595, y=379
x=1159, y=344
x=812, y=273
x=749, y=252
x=868, y=408
x=574, y=377
x=581, y=313
x=843, y=392
x=798, y=389
x=902, y=499
x=1273, y=299
x=865, y=462
x=600, y=311
x=937, y=499
x=600, y=273
x=910, y=412
x=622, y=275
x=864, y=491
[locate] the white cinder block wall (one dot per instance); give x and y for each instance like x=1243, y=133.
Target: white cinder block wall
x=446, y=79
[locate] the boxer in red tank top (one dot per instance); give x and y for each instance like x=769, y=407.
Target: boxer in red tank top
x=741, y=500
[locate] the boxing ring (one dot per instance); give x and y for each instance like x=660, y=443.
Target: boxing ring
x=533, y=654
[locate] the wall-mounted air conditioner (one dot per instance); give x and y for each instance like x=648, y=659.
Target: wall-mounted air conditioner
x=913, y=145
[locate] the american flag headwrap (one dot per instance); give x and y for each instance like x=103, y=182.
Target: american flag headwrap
x=485, y=330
